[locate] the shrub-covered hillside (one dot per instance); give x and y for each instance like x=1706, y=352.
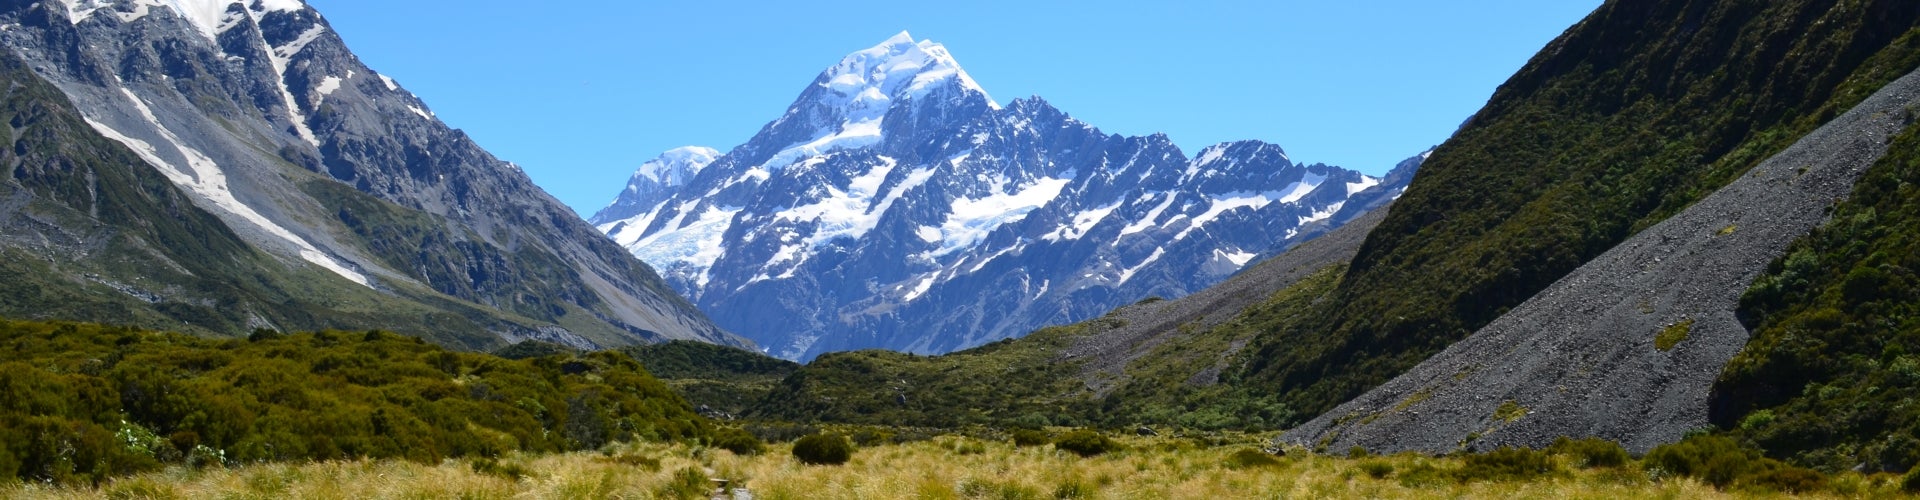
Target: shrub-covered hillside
x=82, y=402
x=1038, y=380
x=1831, y=377
x=724, y=379
x=1633, y=114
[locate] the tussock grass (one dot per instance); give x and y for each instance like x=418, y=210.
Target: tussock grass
x=1148, y=467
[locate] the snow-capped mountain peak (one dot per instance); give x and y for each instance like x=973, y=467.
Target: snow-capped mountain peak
x=898, y=68
x=210, y=17
x=674, y=167
x=851, y=104
x=894, y=205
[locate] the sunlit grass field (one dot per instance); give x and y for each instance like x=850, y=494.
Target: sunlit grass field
x=945, y=467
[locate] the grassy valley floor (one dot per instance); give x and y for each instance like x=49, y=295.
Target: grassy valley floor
x=943, y=467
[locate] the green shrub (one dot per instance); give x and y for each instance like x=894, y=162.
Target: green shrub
x=1509, y=412
x=1718, y=460
x=1911, y=483
x=1507, y=464
x=1672, y=335
x=1086, y=443
x=1787, y=479
x=1376, y=469
x=1591, y=453
x=1358, y=452
x=738, y=441
x=823, y=449
x=1249, y=458
x=1030, y=437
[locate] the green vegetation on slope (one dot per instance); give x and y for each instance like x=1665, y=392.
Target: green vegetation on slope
x=1019, y=381
x=82, y=402
x=1632, y=115
x=1032, y=382
x=1170, y=385
x=685, y=359
x=1831, y=377
x=722, y=378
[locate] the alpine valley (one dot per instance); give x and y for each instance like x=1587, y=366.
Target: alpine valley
x=1676, y=255
x=896, y=205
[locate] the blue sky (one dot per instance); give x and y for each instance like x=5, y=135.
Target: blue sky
x=580, y=93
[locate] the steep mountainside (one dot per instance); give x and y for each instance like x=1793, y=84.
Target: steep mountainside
x=1831, y=378
x=1628, y=346
x=895, y=205
x=1631, y=116
x=371, y=210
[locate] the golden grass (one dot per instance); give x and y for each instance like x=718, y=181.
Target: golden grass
x=1150, y=468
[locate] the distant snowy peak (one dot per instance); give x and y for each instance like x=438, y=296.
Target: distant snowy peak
x=210, y=17
x=898, y=68
x=894, y=87
x=673, y=168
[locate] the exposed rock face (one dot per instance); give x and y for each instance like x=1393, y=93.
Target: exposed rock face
x=259, y=112
x=896, y=205
x=1585, y=358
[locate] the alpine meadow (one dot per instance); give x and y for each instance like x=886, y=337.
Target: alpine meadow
x=1673, y=255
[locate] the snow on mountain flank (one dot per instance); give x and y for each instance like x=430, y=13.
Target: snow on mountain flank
x=205, y=178
x=1227, y=202
x=1366, y=181
x=210, y=17
x=697, y=243
x=213, y=17
x=970, y=220
x=1082, y=222
x=851, y=211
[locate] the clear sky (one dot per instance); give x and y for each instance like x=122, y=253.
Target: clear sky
x=580, y=93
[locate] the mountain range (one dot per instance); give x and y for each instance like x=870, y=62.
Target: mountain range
x=896, y=205
x=1680, y=218
x=221, y=166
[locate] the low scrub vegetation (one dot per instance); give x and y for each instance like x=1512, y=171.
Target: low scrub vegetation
x=80, y=403
x=1830, y=378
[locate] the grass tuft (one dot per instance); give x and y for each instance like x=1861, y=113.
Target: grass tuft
x=1672, y=335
